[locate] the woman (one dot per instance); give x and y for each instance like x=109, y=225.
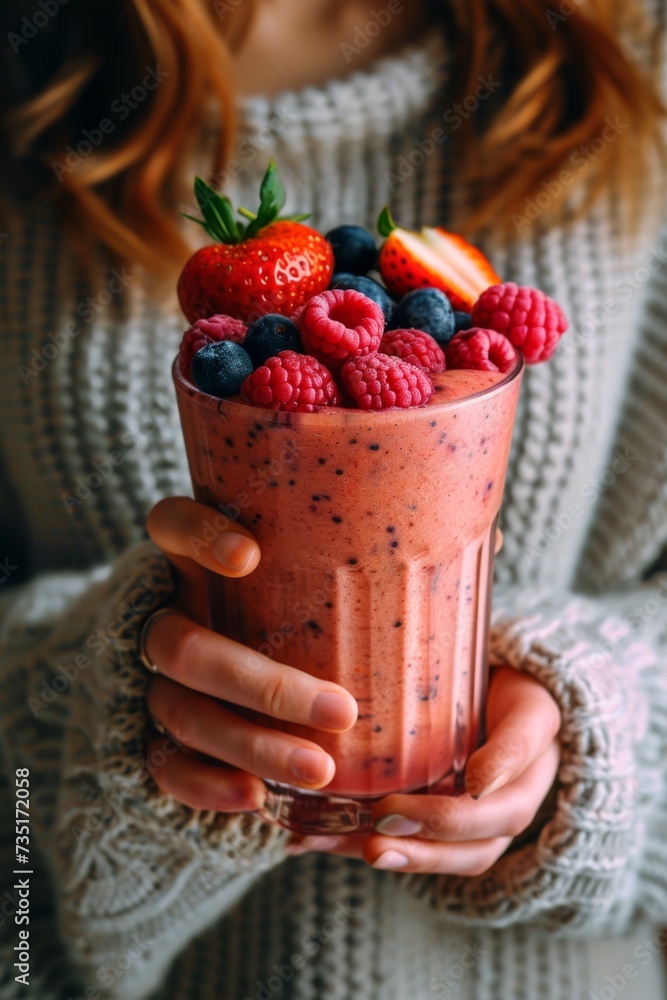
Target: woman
x=533, y=128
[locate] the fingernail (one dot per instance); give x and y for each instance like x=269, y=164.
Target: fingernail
x=331, y=710
x=497, y=783
x=311, y=766
x=397, y=826
x=233, y=551
x=390, y=860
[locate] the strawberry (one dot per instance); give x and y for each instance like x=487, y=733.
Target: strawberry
x=433, y=258
x=267, y=265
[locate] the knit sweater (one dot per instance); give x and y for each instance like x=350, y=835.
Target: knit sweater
x=127, y=882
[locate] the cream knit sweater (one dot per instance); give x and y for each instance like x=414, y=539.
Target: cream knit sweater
x=126, y=880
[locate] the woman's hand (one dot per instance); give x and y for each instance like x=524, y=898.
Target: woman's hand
x=507, y=780
x=225, y=756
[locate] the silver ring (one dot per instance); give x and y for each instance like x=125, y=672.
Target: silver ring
x=148, y=624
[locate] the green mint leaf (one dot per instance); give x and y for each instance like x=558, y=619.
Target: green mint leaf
x=385, y=223
x=272, y=190
x=218, y=213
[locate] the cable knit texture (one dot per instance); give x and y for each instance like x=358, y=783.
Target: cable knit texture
x=128, y=881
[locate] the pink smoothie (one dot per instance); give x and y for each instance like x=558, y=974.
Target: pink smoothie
x=377, y=536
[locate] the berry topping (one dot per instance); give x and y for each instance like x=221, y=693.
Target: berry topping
x=379, y=382
x=527, y=317
x=415, y=347
x=270, y=335
x=291, y=382
x=426, y=309
x=462, y=321
x=338, y=325
x=484, y=350
x=371, y=289
x=268, y=264
x=432, y=258
x=209, y=331
x=220, y=368
x=354, y=249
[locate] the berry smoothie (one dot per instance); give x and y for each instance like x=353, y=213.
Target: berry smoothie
x=377, y=536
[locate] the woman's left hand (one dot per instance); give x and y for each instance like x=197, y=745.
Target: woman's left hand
x=507, y=780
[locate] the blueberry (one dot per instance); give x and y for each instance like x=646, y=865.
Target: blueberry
x=354, y=249
x=426, y=309
x=462, y=321
x=220, y=368
x=270, y=334
x=367, y=287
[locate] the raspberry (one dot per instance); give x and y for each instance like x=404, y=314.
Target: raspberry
x=341, y=324
x=291, y=382
x=484, y=350
x=416, y=347
x=208, y=331
x=379, y=382
x=527, y=317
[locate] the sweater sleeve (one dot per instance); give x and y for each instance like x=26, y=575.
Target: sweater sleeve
x=135, y=873
x=600, y=861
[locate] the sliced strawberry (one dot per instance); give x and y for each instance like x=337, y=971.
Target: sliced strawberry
x=433, y=258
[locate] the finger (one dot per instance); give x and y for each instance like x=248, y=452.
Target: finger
x=505, y=813
x=202, y=785
x=524, y=720
x=348, y=845
x=202, y=724
x=466, y=859
x=430, y=857
x=212, y=664
x=185, y=528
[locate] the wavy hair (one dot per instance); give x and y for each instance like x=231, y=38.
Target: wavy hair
x=563, y=63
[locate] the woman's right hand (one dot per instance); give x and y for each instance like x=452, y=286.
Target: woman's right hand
x=202, y=675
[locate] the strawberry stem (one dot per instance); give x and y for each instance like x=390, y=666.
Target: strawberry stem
x=218, y=211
